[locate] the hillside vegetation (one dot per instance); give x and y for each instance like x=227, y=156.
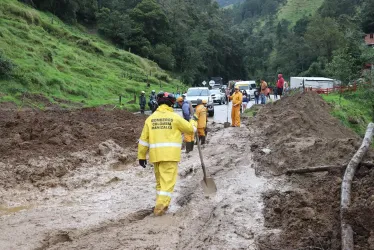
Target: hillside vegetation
x=46, y=56
x=294, y=10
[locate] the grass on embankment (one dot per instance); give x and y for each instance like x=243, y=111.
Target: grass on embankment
x=354, y=109
x=64, y=62
x=294, y=10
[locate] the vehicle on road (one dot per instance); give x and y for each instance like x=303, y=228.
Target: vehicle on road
x=218, y=96
x=248, y=86
x=218, y=82
x=200, y=93
x=312, y=82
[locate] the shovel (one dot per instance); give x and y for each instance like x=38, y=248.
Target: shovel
x=207, y=183
x=227, y=124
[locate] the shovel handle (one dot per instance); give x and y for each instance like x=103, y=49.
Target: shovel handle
x=201, y=156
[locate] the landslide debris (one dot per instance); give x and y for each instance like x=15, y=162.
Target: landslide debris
x=295, y=132
x=300, y=132
x=37, y=144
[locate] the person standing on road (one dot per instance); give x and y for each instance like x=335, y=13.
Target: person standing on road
x=257, y=95
x=152, y=100
x=186, y=111
x=236, y=98
x=205, y=103
x=162, y=136
x=191, y=108
x=142, y=102
x=245, y=100
x=280, y=85
x=264, y=86
x=201, y=120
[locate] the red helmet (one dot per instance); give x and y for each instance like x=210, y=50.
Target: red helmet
x=165, y=98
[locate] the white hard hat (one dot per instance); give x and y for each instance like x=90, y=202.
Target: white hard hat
x=143, y=92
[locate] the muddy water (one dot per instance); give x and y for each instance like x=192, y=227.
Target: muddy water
x=106, y=205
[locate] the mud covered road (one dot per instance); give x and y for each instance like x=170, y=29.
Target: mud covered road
x=70, y=180
x=107, y=205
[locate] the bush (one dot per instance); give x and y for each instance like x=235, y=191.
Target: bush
x=6, y=67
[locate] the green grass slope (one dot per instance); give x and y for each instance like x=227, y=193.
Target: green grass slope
x=294, y=10
x=63, y=62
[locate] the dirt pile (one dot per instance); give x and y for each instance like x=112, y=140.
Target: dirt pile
x=301, y=133
x=34, y=144
x=296, y=132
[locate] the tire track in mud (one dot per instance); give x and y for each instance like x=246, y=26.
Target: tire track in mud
x=232, y=218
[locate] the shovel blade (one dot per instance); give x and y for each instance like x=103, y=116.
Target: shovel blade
x=208, y=186
x=226, y=125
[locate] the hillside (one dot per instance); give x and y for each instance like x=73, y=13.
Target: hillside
x=293, y=10
x=66, y=64
x=224, y=3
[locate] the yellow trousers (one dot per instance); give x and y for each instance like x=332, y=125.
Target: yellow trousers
x=166, y=176
x=235, y=116
x=201, y=131
x=188, y=137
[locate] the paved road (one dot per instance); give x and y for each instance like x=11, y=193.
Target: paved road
x=220, y=111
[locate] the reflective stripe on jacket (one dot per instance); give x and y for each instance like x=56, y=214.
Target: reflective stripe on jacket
x=162, y=136
x=201, y=115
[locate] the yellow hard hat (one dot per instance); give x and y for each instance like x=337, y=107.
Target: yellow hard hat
x=180, y=99
x=236, y=87
x=204, y=102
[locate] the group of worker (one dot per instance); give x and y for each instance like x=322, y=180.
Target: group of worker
x=152, y=104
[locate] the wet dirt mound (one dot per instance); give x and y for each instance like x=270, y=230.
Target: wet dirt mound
x=301, y=133
x=37, y=145
x=309, y=215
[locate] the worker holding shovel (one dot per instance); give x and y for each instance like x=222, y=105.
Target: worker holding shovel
x=162, y=136
x=236, y=98
x=201, y=122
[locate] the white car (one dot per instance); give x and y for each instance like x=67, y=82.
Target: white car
x=203, y=94
x=217, y=96
x=248, y=86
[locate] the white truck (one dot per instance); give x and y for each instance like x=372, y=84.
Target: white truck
x=314, y=82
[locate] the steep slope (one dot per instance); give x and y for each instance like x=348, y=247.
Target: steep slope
x=294, y=10
x=64, y=62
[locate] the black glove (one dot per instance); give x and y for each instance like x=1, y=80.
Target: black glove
x=143, y=163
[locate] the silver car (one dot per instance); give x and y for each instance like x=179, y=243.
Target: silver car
x=217, y=96
x=200, y=93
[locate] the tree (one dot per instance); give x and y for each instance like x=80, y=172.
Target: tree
x=342, y=66
x=323, y=35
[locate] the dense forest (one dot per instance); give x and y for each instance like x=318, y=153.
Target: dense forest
x=196, y=39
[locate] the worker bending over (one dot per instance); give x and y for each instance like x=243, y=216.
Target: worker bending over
x=237, y=99
x=161, y=135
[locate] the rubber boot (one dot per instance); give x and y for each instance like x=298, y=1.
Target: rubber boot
x=192, y=143
x=160, y=210
x=189, y=146
x=202, y=140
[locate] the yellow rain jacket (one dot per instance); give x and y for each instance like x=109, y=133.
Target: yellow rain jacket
x=237, y=98
x=161, y=135
x=201, y=115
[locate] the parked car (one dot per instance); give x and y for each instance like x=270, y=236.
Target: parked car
x=248, y=86
x=217, y=96
x=200, y=93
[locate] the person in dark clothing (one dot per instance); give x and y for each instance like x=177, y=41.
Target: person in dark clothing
x=142, y=102
x=152, y=100
x=257, y=95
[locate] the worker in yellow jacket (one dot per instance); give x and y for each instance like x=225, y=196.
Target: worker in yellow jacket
x=200, y=113
x=161, y=135
x=236, y=98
